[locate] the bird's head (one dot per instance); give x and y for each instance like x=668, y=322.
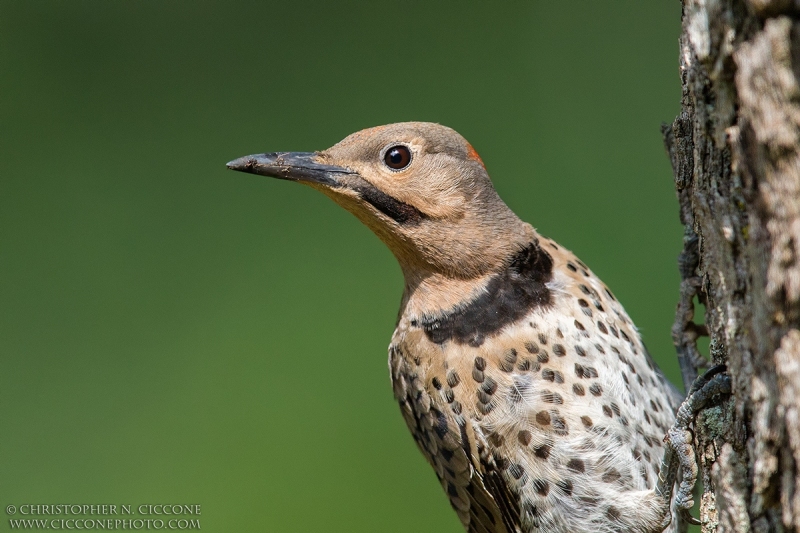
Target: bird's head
x=420, y=187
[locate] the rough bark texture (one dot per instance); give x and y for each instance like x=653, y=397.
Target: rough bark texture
x=735, y=151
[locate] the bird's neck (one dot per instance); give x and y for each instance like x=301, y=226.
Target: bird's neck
x=433, y=292
x=521, y=274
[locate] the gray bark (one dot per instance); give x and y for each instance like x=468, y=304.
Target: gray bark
x=735, y=151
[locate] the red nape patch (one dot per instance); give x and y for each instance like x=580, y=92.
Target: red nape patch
x=472, y=154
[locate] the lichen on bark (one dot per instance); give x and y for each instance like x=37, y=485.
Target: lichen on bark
x=735, y=151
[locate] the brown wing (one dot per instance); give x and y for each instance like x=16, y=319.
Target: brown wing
x=492, y=493
x=447, y=441
x=503, y=498
x=484, y=513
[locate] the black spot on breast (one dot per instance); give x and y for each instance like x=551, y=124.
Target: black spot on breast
x=508, y=296
x=516, y=470
x=485, y=408
x=585, y=371
x=501, y=462
x=449, y=396
x=543, y=418
x=613, y=514
x=489, y=386
x=452, y=378
x=559, y=424
x=542, y=452
x=496, y=440
x=611, y=475
x=507, y=362
x=552, y=397
x=576, y=465
x=541, y=486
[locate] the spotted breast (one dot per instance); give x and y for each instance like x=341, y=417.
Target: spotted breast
x=546, y=412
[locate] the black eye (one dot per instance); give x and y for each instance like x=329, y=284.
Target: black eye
x=397, y=157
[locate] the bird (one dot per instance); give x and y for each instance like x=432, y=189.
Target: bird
x=522, y=379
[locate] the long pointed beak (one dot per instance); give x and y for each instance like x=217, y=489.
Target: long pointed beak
x=293, y=166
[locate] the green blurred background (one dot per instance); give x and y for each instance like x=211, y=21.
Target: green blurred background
x=174, y=332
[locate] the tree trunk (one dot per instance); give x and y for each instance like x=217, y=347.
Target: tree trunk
x=735, y=152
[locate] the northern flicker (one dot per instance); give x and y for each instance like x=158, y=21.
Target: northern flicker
x=522, y=379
